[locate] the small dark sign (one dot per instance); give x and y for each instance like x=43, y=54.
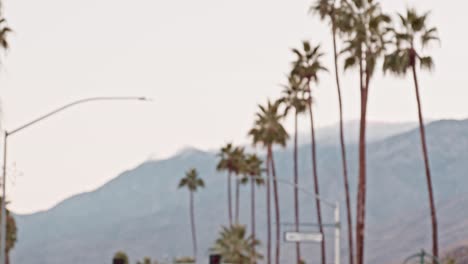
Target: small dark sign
x=118, y=261
x=215, y=259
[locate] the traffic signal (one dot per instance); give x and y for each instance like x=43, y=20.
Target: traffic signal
x=215, y=259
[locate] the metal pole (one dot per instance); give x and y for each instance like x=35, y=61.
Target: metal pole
x=337, y=234
x=3, y=217
x=86, y=100
x=335, y=206
x=14, y=131
x=287, y=182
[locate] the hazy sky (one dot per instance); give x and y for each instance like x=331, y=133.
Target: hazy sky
x=206, y=63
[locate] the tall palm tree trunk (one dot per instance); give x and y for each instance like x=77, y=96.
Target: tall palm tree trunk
x=237, y=199
x=361, y=197
x=343, y=148
x=435, y=242
x=277, y=206
x=192, y=217
x=361, y=200
x=252, y=212
x=268, y=208
x=229, y=199
x=296, y=183
x=315, y=177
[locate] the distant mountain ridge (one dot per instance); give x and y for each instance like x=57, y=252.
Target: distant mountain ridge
x=142, y=212
x=376, y=131
x=329, y=135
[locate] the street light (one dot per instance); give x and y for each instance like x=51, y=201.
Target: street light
x=9, y=133
x=422, y=258
x=336, y=208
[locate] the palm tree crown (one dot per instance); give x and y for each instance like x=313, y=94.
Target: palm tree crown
x=238, y=160
x=235, y=247
x=226, y=161
x=365, y=27
x=338, y=15
x=191, y=181
x=294, y=95
x=253, y=168
x=308, y=65
x=120, y=255
x=412, y=32
x=231, y=159
x=323, y=8
x=268, y=129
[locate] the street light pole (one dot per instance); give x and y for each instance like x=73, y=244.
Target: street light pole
x=7, y=134
x=422, y=258
x=336, y=208
x=3, y=218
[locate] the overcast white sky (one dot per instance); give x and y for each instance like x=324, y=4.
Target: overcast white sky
x=207, y=64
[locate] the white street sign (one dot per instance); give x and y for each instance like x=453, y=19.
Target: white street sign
x=303, y=237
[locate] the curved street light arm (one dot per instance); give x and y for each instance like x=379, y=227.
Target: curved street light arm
x=422, y=255
x=6, y=134
x=411, y=257
x=60, y=109
x=318, y=197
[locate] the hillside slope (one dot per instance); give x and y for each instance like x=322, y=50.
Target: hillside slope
x=142, y=212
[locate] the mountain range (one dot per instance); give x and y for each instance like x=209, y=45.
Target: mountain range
x=141, y=211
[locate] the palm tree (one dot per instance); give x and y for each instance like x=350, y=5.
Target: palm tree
x=269, y=131
x=227, y=163
x=253, y=168
x=234, y=247
x=364, y=26
x=238, y=158
x=11, y=235
x=413, y=29
x=327, y=9
x=146, y=260
x=293, y=97
x=307, y=67
x=4, y=31
x=122, y=256
x=192, y=182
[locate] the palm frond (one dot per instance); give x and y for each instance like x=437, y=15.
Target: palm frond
x=297, y=52
x=182, y=183
x=306, y=46
x=403, y=20
x=427, y=63
x=200, y=183
x=429, y=36
x=350, y=62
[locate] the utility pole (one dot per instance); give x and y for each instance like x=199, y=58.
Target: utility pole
x=336, y=208
x=6, y=136
x=3, y=217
